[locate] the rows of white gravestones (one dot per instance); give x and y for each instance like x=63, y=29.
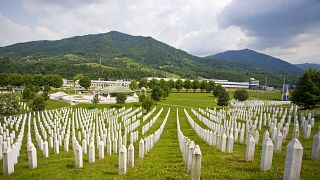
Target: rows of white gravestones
x=222, y=132
x=257, y=103
x=147, y=143
x=81, y=129
x=126, y=158
x=24, y=106
x=191, y=153
x=148, y=125
x=149, y=114
x=218, y=134
x=11, y=141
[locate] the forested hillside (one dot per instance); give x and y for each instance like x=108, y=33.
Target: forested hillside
x=115, y=55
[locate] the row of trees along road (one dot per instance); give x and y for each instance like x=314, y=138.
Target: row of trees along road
x=13, y=79
x=178, y=85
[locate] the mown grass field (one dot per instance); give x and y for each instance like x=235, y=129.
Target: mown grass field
x=164, y=161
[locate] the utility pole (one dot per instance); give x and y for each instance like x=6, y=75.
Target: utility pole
x=266, y=81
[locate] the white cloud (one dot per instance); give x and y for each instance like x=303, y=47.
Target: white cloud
x=12, y=32
x=178, y=23
x=306, y=48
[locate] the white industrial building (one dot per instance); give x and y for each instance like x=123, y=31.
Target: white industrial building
x=252, y=83
x=97, y=84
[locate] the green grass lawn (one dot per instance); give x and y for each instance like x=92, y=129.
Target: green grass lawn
x=196, y=100
x=53, y=104
x=164, y=161
x=261, y=95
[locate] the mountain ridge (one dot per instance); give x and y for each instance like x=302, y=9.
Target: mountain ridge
x=259, y=60
x=127, y=56
x=305, y=66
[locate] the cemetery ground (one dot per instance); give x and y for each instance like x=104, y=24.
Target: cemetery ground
x=164, y=161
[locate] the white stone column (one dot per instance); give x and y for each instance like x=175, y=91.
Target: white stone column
x=122, y=160
x=278, y=142
x=256, y=137
x=236, y=135
x=308, y=131
x=196, y=164
x=78, y=157
x=101, y=150
x=190, y=155
x=265, y=136
x=115, y=146
x=131, y=156
x=266, y=156
x=109, y=146
x=8, y=163
x=293, y=160
x=84, y=146
x=66, y=144
x=32, y=156
x=223, y=142
x=241, y=136
x=250, y=149
x=141, y=148
x=56, y=147
x=45, y=149
x=92, y=156
x=230, y=143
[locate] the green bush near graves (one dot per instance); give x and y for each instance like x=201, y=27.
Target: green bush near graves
x=9, y=104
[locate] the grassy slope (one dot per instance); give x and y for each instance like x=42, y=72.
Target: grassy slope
x=164, y=160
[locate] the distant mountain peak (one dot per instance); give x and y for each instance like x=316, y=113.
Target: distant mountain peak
x=258, y=60
x=306, y=66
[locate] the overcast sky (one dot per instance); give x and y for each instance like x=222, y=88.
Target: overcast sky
x=288, y=29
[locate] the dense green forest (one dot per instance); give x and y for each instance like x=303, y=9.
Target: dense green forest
x=116, y=55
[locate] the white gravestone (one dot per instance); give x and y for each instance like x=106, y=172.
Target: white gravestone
x=267, y=153
x=122, y=160
x=196, y=164
x=131, y=156
x=250, y=149
x=293, y=160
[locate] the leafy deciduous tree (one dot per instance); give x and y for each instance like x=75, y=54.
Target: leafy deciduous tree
x=241, y=95
x=203, y=85
x=121, y=98
x=187, y=85
x=133, y=85
x=147, y=103
x=153, y=83
x=307, y=89
x=85, y=82
x=195, y=85
x=95, y=99
x=143, y=83
x=179, y=85
x=38, y=103
x=9, y=104
x=156, y=93
x=211, y=86
x=223, y=99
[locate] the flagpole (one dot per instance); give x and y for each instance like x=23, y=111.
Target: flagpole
x=284, y=80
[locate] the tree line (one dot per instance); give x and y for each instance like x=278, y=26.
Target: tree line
x=14, y=79
x=35, y=91
x=204, y=86
x=162, y=88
